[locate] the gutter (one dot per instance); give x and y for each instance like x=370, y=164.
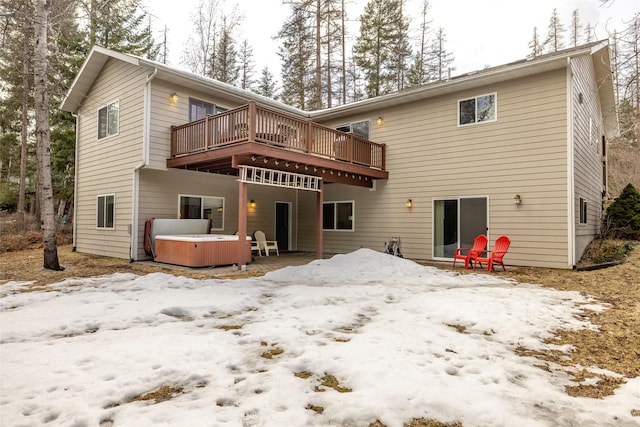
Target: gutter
x=75, y=187
x=571, y=211
x=146, y=122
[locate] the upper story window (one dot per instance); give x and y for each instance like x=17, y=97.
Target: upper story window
x=109, y=120
x=199, y=109
x=477, y=110
x=202, y=207
x=106, y=210
x=337, y=216
x=359, y=129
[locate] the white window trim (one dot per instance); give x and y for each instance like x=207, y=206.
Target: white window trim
x=98, y=120
x=202, y=207
x=353, y=216
x=476, y=122
x=105, y=205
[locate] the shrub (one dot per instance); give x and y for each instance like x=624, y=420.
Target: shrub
x=622, y=219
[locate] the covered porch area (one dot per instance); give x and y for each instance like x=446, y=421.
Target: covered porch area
x=262, y=146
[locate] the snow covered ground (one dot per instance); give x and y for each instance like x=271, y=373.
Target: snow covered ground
x=408, y=341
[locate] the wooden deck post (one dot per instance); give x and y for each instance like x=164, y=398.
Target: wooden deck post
x=174, y=141
x=319, y=220
x=252, y=121
x=308, y=135
x=242, y=224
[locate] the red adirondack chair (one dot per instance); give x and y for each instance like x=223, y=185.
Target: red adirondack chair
x=494, y=256
x=479, y=246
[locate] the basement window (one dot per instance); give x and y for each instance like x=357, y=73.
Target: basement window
x=202, y=207
x=583, y=210
x=337, y=216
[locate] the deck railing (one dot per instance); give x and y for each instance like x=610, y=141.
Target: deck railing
x=257, y=123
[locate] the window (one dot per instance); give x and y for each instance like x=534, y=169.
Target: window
x=106, y=211
x=477, y=110
x=360, y=129
x=337, y=216
x=199, y=109
x=108, y=120
x=202, y=207
x=583, y=210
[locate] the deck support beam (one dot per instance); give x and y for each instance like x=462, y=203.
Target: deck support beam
x=242, y=225
x=319, y=220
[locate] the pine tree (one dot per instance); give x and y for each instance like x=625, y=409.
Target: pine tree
x=332, y=43
x=121, y=25
x=401, y=47
x=67, y=51
x=418, y=73
x=266, y=85
x=297, y=52
x=576, y=28
x=588, y=33
x=441, y=60
x=17, y=77
x=555, y=34
x=623, y=215
x=535, y=45
x=225, y=68
x=380, y=47
x=247, y=65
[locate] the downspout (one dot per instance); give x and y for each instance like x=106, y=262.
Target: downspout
x=75, y=187
x=571, y=220
x=133, y=255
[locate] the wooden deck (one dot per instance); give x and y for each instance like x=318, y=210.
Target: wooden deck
x=257, y=135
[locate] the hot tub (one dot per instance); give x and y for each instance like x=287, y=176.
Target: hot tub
x=200, y=250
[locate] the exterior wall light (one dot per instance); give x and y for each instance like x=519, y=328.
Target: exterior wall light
x=380, y=120
x=252, y=204
x=517, y=199
x=173, y=97
x=409, y=203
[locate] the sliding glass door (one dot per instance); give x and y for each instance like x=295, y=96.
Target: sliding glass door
x=456, y=223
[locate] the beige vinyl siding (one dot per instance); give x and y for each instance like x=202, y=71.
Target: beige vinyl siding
x=588, y=154
x=428, y=156
x=106, y=166
x=306, y=223
x=165, y=113
x=159, y=191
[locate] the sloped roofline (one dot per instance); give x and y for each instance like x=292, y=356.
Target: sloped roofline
x=599, y=51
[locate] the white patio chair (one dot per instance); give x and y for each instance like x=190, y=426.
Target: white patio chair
x=265, y=244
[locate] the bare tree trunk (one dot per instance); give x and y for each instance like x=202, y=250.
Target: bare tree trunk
x=329, y=53
x=43, y=140
x=318, y=90
x=344, y=55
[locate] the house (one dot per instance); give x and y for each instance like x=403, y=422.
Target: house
x=518, y=149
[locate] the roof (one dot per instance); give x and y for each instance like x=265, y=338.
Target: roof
x=599, y=51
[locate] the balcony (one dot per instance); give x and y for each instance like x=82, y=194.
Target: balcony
x=260, y=136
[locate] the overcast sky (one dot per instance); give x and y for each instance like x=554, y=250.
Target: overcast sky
x=479, y=33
